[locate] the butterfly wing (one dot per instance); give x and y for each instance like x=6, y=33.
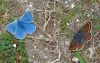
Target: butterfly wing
x=75, y=44
x=80, y=45
x=22, y=26
x=19, y=33
x=15, y=29
x=27, y=17
x=86, y=36
x=12, y=27
x=26, y=22
x=85, y=31
x=29, y=27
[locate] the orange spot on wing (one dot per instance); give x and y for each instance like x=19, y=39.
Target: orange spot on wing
x=80, y=46
x=88, y=38
x=73, y=48
x=89, y=27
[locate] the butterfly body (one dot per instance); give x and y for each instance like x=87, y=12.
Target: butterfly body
x=78, y=36
x=81, y=37
x=22, y=26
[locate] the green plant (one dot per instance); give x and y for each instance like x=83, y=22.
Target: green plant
x=10, y=54
x=5, y=6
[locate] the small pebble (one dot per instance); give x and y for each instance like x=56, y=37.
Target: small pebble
x=67, y=42
x=33, y=56
x=88, y=15
x=46, y=49
x=22, y=1
x=66, y=2
x=75, y=59
x=72, y=6
x=34, y=46
x=91, y=50
x=30, y=5
x=14, y=45
x=41, y=36
x=67, y=23
x=45, y=57
x=30, y=60
x=92, y=10
x=77, y=20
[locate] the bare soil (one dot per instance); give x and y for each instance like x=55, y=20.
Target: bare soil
x=49, y=44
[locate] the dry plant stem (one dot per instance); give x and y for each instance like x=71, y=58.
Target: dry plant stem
x=54, y=36
x=43, y=30
x=46, y=21
x=59, y=54
x=35, y=38
x=85, y=8
x=54, y=24
x=5, y=16
x=56, y=32
x=54, y=4
x=57, y=58
x=93, y=44
x=39, y=10
x=46, y=39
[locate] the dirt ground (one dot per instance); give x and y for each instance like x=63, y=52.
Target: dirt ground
x=49, y=44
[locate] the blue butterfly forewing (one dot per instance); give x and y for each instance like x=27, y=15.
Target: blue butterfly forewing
x=26, y=17
x=11, y=27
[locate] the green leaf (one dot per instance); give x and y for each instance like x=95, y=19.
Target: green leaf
x=1, y=55
x=6, y=46
x=8, y=42
x=22, y=40
x=6, y=53
x=10, y=45
x=9, y=51
x=95, y=1
x=86, y=59
x=68, y=17
x=11, y=18
x=2, y=42
x=58, y=16
x=11, y=59
x=1, y=1
x=2, y=48
x=7, y=37
x=24, y=59
x=79, y=56
x=1, y=60
x=5, y=34
x=64, y=26
x=9, y=6
x=20, y=48
x=80, y=8
x=96, y=29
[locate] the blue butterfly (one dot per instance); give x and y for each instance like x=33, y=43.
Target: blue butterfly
x=22, y=26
